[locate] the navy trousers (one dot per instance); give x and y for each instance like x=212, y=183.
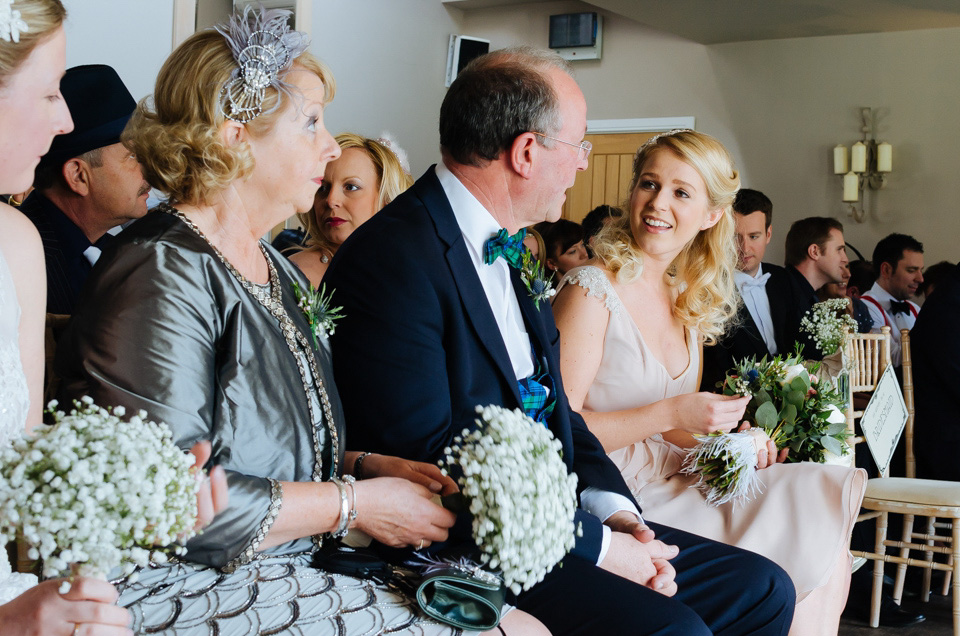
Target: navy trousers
x=722, y=590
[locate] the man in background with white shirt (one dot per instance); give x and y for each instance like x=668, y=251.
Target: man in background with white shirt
x=758, y=328
x=438, y=321
x=898, y=262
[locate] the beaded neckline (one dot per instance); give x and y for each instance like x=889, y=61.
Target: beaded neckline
x=270, y=296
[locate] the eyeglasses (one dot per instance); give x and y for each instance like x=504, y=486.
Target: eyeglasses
x=584, y=146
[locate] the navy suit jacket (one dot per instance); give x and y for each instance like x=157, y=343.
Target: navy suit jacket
x=743, y=338
x=419, y=348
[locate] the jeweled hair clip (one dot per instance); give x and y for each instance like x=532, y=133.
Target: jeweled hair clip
x=264, y=45
x=11, y=24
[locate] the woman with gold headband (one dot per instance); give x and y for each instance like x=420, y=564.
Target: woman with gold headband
x=196, y=320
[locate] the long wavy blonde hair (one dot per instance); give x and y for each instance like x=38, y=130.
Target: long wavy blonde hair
x=391, y=176
x=703, y=270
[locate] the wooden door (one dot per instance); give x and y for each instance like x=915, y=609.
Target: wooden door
x=606, y=181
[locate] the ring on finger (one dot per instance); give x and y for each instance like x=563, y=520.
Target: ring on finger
x=420, y=547
x=76, y=629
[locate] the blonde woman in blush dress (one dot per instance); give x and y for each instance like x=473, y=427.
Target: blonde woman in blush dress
x=631, y=328
x=369, y=174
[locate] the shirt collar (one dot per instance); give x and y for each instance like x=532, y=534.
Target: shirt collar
x=72, y=239
x=475, y=221
x=741, y=277
x=881, y=295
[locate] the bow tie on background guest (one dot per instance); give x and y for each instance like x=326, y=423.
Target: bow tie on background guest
x=759, y=281
x=511, y=248
x=899, y=307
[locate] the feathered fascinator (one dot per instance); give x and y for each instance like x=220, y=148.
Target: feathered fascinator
x=388, y=141
x=264, y=45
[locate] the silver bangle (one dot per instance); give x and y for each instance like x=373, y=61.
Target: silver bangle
x=346, y=513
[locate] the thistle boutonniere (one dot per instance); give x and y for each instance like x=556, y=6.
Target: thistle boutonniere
x=315, y=304
x=536, y=279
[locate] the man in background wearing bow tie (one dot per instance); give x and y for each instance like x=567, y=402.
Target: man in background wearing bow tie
x=898, y=262
x=437, y=321
x=758, y=328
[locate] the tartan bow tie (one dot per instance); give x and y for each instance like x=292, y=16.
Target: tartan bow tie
x=899, y=307
x=509, y=247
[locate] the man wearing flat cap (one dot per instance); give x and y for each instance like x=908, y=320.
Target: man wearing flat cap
x=87, y=184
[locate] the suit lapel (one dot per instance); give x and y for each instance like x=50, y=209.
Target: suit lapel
x=464, y=276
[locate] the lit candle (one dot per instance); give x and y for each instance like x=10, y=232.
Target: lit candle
x=850, y=187
x=884, y=157
x=840, y=159
x=858, y=157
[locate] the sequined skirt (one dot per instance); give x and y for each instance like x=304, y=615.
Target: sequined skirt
x=278, y=595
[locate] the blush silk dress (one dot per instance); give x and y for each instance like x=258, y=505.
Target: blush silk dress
x=806, y=511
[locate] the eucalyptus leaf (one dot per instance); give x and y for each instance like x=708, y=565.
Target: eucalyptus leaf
x=788, y=413
x=795, y=398
x=833, y=445
x=767, y=416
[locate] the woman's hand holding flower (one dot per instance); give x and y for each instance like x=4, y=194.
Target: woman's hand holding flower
x=705, y=413
x=87, y=607
x=399, y=513
x=767, y=453
x=427, y=475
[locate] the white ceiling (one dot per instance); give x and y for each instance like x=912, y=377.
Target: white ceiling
x=718, y=21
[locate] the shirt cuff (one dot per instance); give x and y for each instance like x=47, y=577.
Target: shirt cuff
x=603, y=503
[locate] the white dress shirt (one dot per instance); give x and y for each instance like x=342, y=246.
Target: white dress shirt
x=753, y=290
x=881, y=316
x=478, y=225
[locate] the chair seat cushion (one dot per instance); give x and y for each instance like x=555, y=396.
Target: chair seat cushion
x=921, y=491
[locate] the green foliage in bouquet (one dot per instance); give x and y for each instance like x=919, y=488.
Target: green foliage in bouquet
x=798, y=410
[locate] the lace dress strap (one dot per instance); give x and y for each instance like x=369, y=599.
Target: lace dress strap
x=595, y=281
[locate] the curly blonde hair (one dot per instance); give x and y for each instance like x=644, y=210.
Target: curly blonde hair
x=391, y=176
x=703, y=270
x=177, y=140
x=42, y=17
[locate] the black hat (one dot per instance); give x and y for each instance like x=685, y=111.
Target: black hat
x=100, y=106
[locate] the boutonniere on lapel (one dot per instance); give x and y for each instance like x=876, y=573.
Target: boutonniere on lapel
x=315, y=304
x=536, y=278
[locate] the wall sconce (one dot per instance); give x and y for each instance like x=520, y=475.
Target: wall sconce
x=869, y=163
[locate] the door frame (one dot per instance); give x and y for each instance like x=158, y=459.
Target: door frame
x=638, y=125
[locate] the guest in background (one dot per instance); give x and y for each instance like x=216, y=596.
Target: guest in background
x=595, y=220
x=857, y=308
x=564, y=242
x=368, y=175
x=862, y=277
x=757, y=329
x=87, y=184
x=935, y=347
x=898, y=262
x=933, y=276
x=815, y=254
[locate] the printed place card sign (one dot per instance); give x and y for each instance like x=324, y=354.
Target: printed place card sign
x=884, y=418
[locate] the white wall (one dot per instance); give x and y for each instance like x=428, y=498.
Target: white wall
x=132, y=36
x=389, y=58
x=793, y=100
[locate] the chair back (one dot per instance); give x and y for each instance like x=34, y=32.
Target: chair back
x=907, y=369
x=868, y=356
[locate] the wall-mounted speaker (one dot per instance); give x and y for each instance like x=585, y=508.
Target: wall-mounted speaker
x=577, y=36
x=462, y=50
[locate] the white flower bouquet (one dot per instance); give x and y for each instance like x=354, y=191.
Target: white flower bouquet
x=519, y=492
x=93, y=492
x=826, y=323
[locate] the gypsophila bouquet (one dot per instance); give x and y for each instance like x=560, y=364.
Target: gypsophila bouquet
x=789, y=405
x=315, y=305
x=93, y=492
x=827, y=322
x=519, y=492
